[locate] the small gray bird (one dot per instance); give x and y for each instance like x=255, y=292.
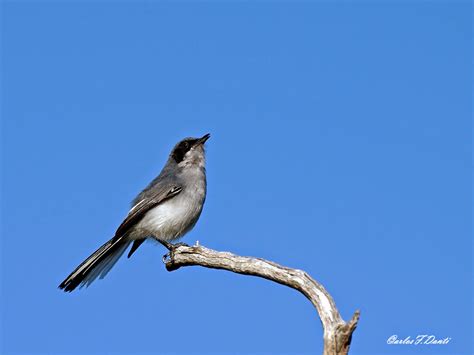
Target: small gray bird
x=165, y=210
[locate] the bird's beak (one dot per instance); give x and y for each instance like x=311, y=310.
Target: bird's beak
x=203, y=139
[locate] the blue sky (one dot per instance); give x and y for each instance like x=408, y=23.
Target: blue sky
x=341, y=144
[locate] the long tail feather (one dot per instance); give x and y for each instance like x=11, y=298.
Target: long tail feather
x=96, y=265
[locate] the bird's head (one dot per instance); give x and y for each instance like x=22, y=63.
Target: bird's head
x=190, y=151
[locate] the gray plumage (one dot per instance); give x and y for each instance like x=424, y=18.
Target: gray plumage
x=166, y=209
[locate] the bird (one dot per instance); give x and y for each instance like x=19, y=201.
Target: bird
x=165, y=211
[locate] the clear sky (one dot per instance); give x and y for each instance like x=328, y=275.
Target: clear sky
x=341, y=144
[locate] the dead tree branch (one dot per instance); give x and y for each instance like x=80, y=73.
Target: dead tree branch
x=337, y=333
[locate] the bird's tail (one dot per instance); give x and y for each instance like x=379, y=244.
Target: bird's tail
x=96, y=265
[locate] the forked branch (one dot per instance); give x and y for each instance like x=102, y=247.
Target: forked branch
x=337, y=333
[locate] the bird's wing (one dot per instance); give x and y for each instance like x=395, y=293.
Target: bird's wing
x=143, y=206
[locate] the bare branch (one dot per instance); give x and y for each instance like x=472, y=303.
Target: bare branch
x=337, y=333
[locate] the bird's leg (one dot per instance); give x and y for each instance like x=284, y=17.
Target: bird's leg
x=166, y=244
x=171, y=247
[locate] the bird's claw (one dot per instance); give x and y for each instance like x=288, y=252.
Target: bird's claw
x=171, y=247
x=166, y=258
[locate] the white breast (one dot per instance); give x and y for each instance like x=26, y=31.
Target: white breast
x=164, y=221
x=173, y=218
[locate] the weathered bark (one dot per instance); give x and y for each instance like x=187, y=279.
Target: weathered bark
x=337, y=333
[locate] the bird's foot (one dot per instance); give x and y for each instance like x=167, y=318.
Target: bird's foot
x=180, y=244
x=171, y=247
